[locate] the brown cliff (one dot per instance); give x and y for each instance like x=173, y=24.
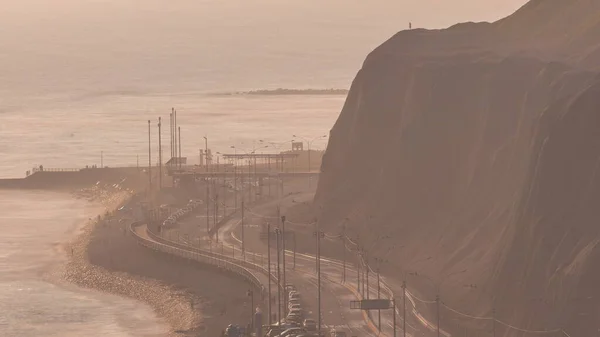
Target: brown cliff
x=478, y=146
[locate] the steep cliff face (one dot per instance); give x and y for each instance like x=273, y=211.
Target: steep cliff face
x=478, y=147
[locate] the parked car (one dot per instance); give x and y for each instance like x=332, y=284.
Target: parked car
x=310, y=324
x=337, y=333
x=291, y=332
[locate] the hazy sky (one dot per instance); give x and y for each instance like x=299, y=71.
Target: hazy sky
x=424, y=13
x=67, y=45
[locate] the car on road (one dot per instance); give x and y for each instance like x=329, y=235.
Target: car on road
x=294, y=306
x=310, y=324
x=337, y=333
x=291, y=332
x=295, y=296
x=296, y=312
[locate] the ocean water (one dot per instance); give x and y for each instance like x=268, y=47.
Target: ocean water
x=33, y=301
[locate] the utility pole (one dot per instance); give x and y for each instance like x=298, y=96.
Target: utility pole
x=494, y=322
x=403, y=309
x=243, y=247
x=171, y=131
x=357, y=272
x=394, y=314
x=207, y=186
x=174, y=133
x=278, y=278
x=437, y=309
x=294, y=250
x=250, y=180
x=378, y=297
x=367, y=269
x=344, y=253
x=269, y=265
x=179, y=134
x=149, y=161
x=159, y=156
x=318, y=234
x=251, y=294
x=285, y=297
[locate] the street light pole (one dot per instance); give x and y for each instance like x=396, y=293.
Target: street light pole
x=344, y=253
x=285, y=297
x=403, y=309
x=437, y=309
x=269, y=265
x=207, y=186
x=251, y=294
x=294, y=250
x=159, y=155
x=318, y=234
x=277, y=232
x=394, y=320
x=378, y=297
x=243, y=246
x=149, y=161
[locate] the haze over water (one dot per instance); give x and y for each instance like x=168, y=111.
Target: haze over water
x=81, y=77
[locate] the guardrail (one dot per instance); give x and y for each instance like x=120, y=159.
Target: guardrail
x=239, y=261
x=197, y=255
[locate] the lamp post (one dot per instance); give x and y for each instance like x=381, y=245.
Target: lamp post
x=207, y=186
x=159, y=155
x=250, y=293
x=149, y=162
x=269, y=265
x=277, y=233
x=234, y=176
x=319, y=235
x=285, y=297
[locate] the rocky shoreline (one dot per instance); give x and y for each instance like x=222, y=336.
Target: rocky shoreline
x=170, y=304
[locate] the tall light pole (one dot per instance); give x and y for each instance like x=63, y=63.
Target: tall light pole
x=403, y=309
x=243, y=241
x=277, y=233
x=207, y=186
x=251, y=295
x=159, y=156
x=283, y=257
x=234, y=176
x=149, y=161
x=319, y=234
x=379, y=291
x=179, y=134
x=269, y=265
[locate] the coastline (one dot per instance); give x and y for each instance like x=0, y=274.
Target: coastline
x=170, y=305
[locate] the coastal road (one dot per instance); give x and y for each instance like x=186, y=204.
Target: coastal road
x=335, y=297
x=331, y=273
